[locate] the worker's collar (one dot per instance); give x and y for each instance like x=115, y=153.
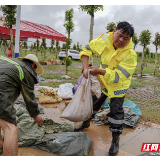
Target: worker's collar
x=31, y=71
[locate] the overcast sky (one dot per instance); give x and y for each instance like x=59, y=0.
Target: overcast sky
x=142, y=17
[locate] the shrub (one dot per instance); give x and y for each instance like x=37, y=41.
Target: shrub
x=68, y=61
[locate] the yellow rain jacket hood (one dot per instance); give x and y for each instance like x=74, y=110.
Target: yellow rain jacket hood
x=119, y=64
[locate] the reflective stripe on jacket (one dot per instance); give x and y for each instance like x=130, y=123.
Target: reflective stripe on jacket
x=119, y=64
x=15, y=78
x=21, y=74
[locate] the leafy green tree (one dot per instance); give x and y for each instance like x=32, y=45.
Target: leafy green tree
x=64, y=46
x=1, y=41
x=52, y=44
x=67, y=44
x=77, y=46
x=25, y=47
x=156, y=42
x=152, y=55
x=146, y=56
x=74, y=47
x=43, y=47
x=68, y=60
x=5, y=45
x=69, y=25
x=111, y=26
x=145, y=39
x=91, y=9
x=37, y=46
x=57, y=48
x=20, y=48
x=147, y=52
x=9, y=11
x=135, y=40
x=34, y=45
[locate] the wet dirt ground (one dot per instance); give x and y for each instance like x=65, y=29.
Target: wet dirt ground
x=131, y=139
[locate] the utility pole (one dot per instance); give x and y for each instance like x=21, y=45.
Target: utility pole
x=17, y=37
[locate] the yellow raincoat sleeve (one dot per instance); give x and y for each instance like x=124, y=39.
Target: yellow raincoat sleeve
x=85, y=52
x=125, y=69
x=92, y=48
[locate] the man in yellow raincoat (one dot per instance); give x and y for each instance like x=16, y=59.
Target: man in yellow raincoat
x=118, y=63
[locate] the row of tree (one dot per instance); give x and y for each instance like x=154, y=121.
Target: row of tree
x=5, y=43
x=36, y=46
x=144, y=39
x=9, y=12
x=69, y=25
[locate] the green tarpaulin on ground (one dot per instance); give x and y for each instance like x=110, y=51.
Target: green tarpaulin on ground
x=59, y=137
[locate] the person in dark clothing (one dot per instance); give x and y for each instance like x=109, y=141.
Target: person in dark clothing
x=17, y=75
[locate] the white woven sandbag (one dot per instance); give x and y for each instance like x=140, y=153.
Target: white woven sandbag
x=65, y=90
x=80, y=108
x=95, y=86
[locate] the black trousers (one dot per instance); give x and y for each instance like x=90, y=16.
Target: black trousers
x=116, y=115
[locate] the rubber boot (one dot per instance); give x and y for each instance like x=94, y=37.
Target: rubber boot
x=84, y=125
x=115, y=144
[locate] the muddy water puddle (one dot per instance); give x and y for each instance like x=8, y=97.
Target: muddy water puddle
x=54, y=111
x=131, y=139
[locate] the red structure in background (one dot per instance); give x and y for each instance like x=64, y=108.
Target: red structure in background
x=31, y=30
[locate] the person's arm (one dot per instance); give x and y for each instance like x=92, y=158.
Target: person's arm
x=94, y=71
x=88, y=50
x=84, y=59
x=31, y=104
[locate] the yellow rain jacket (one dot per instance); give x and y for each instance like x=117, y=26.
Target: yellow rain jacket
x=119, y=64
